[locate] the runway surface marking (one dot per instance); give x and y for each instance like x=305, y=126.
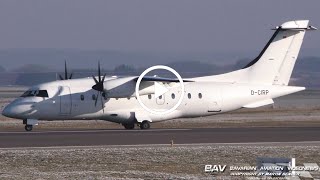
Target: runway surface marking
x=158, y=136
x=91, y=131
x=298, y=143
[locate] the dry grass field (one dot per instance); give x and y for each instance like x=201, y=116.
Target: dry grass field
x=159, y=162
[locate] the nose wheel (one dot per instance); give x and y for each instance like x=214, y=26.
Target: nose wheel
x=28, y=127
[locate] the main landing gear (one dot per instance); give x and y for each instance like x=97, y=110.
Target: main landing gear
x=28, y=127
x=145, y=125
x=128, y=126
x=142, y=125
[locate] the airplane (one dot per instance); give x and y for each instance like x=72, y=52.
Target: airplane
x=114, y=98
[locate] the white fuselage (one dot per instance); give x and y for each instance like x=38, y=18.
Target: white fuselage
x=74, y=99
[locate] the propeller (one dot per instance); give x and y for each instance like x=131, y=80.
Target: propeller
x=65, y=73
x=99, y=87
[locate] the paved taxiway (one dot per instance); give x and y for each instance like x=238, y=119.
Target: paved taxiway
x=39, y=138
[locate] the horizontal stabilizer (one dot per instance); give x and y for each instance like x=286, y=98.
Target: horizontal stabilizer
x=259, y=103
x=296, y=25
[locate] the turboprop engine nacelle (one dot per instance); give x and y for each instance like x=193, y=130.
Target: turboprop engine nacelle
x=125, y=87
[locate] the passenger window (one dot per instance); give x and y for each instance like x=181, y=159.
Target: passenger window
x=149, y=96
x=189, y=95
x=200, y=96
x=173, y=96
x=82, y=97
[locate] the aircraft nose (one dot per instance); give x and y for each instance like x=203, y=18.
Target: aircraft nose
x=7, y=111
x=17, y=110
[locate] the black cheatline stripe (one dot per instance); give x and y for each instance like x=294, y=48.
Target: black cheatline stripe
x=215, y=111
x=264, y=49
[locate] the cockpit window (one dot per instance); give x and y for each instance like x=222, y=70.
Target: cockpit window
x=42, y=93
x=37, y=93
x=26, y=94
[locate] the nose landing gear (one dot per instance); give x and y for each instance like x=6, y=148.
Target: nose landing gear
x=29, y=124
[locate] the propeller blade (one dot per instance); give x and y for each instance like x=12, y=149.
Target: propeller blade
x=99, y=81
x=104, y=76
x=65, y=70
x=99, y=71
x=95, y=80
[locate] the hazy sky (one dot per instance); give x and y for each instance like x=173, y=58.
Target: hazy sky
x=150, y=25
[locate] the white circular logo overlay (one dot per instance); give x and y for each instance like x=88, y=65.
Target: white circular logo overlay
x=163, y=68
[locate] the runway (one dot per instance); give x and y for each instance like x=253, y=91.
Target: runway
x=157, y=136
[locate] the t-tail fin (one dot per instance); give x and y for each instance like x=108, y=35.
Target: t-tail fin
x=275, y=62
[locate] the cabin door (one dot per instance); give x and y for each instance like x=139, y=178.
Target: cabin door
x=215, y=100
x=65, y=100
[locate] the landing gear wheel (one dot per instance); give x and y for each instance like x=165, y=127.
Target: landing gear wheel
x=128, y=126
x=28, y=127
x=145, y=125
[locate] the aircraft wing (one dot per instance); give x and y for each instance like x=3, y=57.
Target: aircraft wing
x=161, y=79
x=125, y=86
